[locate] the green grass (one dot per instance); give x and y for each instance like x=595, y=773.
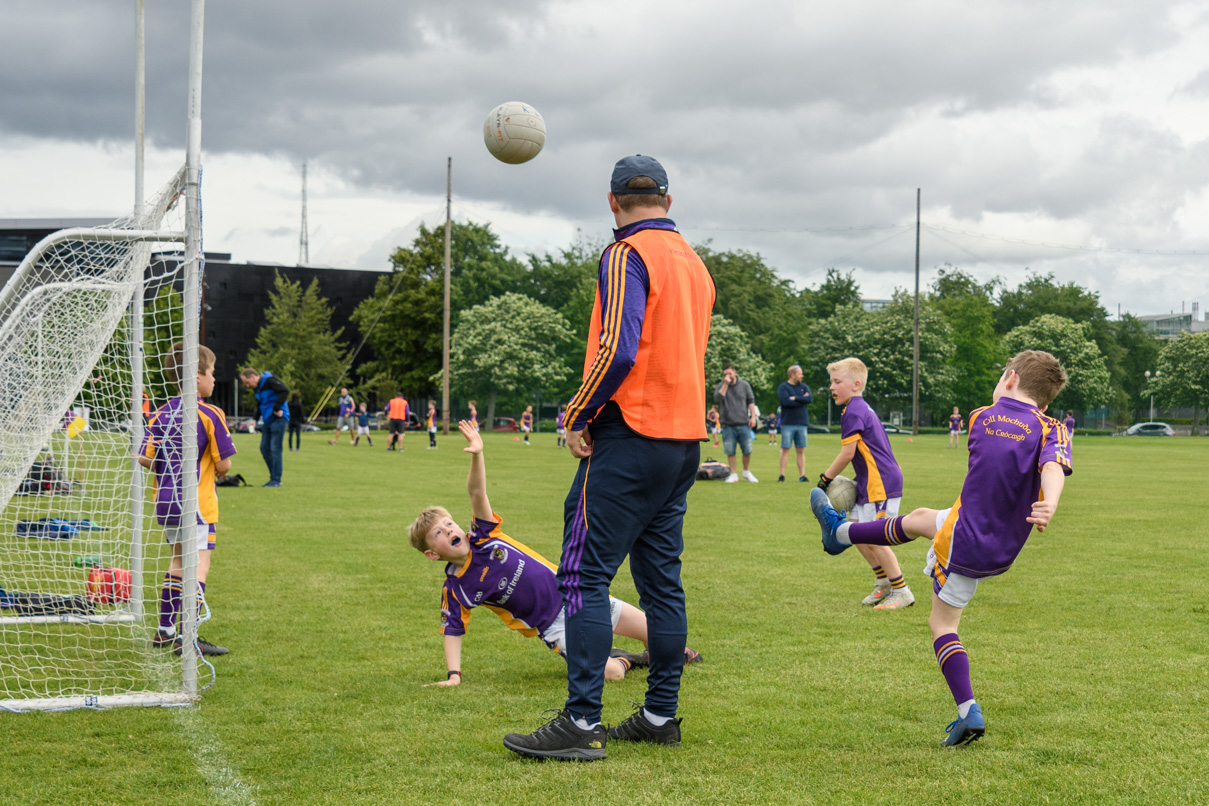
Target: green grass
x=1088, y=656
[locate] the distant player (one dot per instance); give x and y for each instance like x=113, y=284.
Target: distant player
x=1070, y=423
x=954, y=427
x=879, y=481
x=397, y=412
x=1019, y=461
x=487, y=567
x=558, y=426
x=363, y=426
x=713, y=423
x=345, y=418
x=430, y=420
x=162, y=452
x=527, y=422
x=473, y=418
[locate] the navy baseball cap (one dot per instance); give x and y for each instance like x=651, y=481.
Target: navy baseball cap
x=629, y=168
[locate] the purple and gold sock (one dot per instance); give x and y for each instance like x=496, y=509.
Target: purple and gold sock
x=885, y=532
x=955, y=666
x=898, y=582
x=880, y=573
x=170, y=602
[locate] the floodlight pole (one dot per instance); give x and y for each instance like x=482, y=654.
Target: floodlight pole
x=445, y=330
x=915, y=358
x=136, y=319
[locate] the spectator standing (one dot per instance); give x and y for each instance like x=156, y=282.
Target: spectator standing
x=795, y=396
x=294, y=426
x=738, y=415
x=271, y=395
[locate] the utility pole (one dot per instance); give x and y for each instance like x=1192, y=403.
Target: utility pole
x=445, y=331
x=915, y=362
x=304, y=242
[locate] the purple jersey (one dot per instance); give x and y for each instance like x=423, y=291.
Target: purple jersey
x=507, y=577
x=559, y=421
x=878, y=477
x=162, y=443
x=1009, y=443
x=1070, y=425
x=346, y=406
x=954, y=423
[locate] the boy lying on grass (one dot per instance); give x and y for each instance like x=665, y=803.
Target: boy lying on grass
x=488, y=568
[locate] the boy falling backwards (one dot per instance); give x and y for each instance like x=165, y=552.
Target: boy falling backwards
x=1019, y=460
x=488, y=568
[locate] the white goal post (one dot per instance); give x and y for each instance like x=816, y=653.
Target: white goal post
x=87, y=325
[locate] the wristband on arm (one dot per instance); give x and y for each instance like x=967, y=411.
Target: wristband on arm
x=824, y=482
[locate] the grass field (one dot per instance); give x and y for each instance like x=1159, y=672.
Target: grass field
x=1089, y=656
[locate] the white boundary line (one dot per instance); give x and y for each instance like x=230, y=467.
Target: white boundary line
x=226, y=787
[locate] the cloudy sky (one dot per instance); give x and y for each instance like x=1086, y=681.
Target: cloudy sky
x=1068, y=137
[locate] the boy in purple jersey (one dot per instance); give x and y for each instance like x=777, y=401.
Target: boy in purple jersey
x=1019, y=460
x=1070, y=423
x=519, y=585
x=527, y=422
x=162, y=452
x=558, y=425
x=879, y=481
x=954, y=427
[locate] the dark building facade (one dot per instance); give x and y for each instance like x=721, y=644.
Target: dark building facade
x=234, y=296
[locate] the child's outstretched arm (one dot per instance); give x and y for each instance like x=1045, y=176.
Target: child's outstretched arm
x=453, y=662
x=476, y=482
x=1053, y=479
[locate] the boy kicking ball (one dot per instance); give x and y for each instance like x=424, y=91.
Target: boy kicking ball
x=1019, y=460
x=488, y=568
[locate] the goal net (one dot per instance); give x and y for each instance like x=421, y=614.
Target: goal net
x=87, y=323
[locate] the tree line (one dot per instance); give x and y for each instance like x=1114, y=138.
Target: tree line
x=519, y=330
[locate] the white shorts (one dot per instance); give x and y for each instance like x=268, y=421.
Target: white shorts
x=525, y=429
x=363, y=430
x=555, y=635
x=864, y=513
x=179, y=534
x=957, y=590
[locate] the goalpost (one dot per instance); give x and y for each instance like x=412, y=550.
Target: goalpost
x=87, y=323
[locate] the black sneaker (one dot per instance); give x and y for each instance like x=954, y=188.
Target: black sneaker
x=164, y=640
x=637, y=728
x=691, y=656
x=637, y=660
x=560, y=739
x=203, y=646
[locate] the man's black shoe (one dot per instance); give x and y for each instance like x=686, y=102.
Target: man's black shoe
x=637, y=728
x=560, y=739
x=637, y=660
x=204, y=647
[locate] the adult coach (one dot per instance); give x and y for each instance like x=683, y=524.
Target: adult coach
x=795, y=417
x=737, y=411
x=271, y=395
x=346, y=409
x=635, y=425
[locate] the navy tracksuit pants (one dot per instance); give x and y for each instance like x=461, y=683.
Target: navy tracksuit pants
x=628, y=498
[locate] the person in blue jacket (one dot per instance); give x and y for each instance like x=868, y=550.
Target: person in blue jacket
x=271, y=396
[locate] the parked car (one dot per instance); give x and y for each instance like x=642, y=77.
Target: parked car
x=817, y=429
x=310, y=427
x=505, y=424
x=894, y=429
x=1150, y=430
x=245, y=427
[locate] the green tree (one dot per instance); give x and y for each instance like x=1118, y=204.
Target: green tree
x=1140, y=354
x=967, y=307
x=835, y=292
x=163, y=326
x=884, y=341
x=1183, y=378
x=1071, y=343
x=296, y=342
x=728, y=344
x=406, y=339
x=508, y=344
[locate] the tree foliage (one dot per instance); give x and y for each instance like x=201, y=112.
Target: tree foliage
x=1183, y=378
x=966, y=306
x=728, y=344
x=296, y=342
x=1071, y=343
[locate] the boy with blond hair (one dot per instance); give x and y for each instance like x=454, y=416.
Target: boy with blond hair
x=879, y=481
x=162, y=452
x=489, y=568
x=1019, y=461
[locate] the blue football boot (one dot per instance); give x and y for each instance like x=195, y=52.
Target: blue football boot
x=963, y=731
x=829, y=519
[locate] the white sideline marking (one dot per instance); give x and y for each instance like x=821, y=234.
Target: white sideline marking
x=224, y=782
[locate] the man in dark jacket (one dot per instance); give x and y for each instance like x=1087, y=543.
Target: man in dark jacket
x=271, y=395
x=794, y=396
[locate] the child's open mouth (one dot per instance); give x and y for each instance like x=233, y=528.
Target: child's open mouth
x=455, y=541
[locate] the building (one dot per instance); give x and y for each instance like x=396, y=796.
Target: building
x=1171, y=325
x=234, y=295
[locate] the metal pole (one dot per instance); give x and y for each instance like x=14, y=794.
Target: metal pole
x=136, y=322
x=140, y=102
x=445, y=331
x=188, y=375
x=915, y=360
